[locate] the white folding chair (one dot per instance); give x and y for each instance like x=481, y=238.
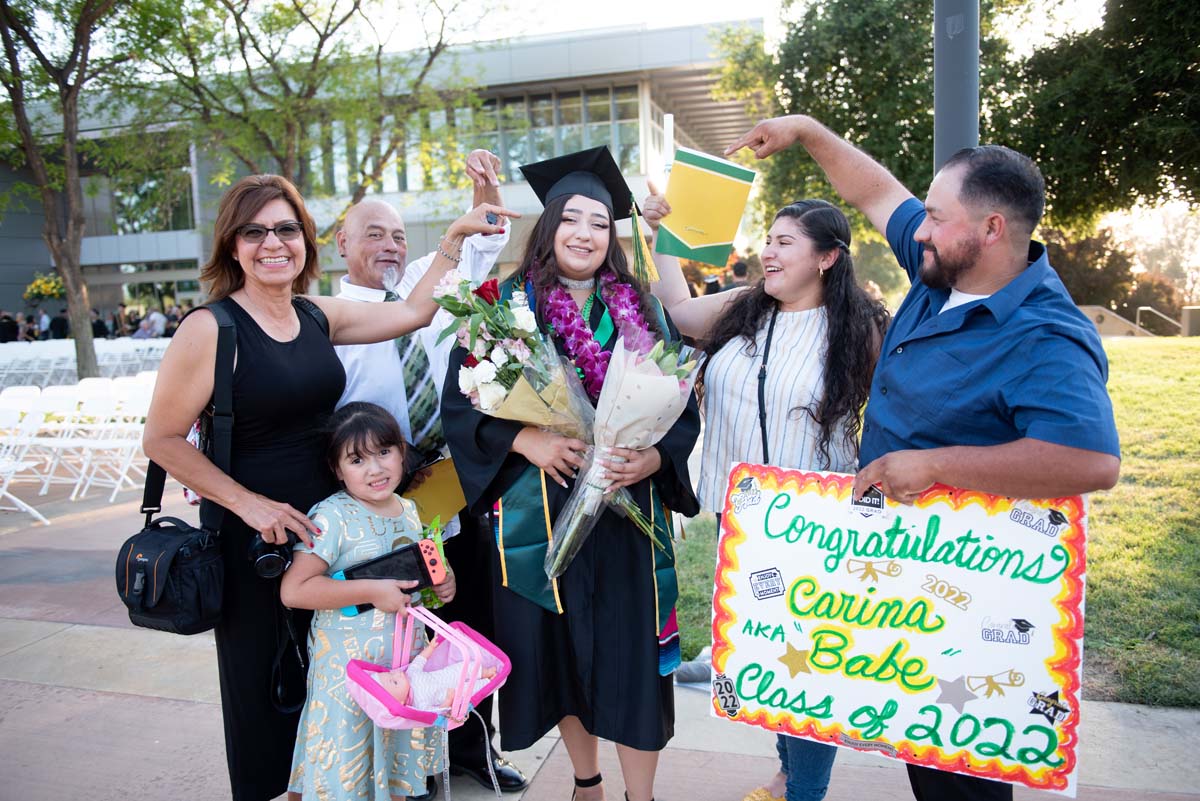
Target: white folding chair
x=12, y=463
x=106, y=445
x=53, y=441
x=22, y=397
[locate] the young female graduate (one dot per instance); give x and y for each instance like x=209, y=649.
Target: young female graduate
x=592, y=652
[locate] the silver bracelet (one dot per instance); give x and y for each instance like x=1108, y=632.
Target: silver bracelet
x=455, y=259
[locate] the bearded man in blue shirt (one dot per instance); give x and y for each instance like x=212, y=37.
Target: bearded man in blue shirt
x=989, y=378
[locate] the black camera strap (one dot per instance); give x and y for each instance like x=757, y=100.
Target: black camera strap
x=762, y=385
x=221, y=408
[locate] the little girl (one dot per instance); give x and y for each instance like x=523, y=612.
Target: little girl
x=339, y=753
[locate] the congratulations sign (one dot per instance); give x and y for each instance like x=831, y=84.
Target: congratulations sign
x=946, y=634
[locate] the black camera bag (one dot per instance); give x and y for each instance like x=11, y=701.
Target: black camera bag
x=170, y=574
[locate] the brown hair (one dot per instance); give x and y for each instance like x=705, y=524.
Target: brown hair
x=221, y=272
x=358, y=426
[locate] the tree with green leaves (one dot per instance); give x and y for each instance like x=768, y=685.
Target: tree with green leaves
x=265, y=87
x=864, y=68
x=1111, y=115
x=1096, y=270
x=54, y=53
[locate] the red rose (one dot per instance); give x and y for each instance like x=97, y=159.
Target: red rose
x=470, y=361
x=489, y=291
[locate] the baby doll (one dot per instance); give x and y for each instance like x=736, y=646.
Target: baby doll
x=430, y=690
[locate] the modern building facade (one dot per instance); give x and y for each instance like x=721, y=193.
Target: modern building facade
x=542, y=96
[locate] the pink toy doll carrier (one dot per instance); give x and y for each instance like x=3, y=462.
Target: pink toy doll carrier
x=466, y=646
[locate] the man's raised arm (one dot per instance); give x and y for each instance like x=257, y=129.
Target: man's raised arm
x=861, y=181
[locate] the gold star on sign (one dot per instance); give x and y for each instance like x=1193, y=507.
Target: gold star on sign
x=796, y=661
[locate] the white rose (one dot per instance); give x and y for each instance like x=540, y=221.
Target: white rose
x=480, y=349
x=524, y=319
x=499, y=356
x=485, y=372
x=466, y=380
x=490, y=395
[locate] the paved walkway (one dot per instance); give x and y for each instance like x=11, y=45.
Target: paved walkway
x=91, y=707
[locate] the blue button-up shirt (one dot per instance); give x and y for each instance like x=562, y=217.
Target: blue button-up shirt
x=1023, y=362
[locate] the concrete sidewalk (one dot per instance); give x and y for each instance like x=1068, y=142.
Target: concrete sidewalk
x=91, y=707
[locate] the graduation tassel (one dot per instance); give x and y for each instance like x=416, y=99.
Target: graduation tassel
x=643, y=260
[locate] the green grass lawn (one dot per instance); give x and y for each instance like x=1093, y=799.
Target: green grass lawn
x=1142, y=642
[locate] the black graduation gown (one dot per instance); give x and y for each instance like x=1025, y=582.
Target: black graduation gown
x=599, y=659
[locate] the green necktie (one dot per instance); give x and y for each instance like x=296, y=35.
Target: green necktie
x=420, y=391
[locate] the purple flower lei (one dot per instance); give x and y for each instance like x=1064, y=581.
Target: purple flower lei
x=582, y=347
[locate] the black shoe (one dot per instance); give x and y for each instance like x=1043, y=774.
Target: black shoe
x=431, y=791
x=508, y=776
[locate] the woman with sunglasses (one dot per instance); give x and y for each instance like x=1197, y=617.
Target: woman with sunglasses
x=815, y=333
x=286, y=381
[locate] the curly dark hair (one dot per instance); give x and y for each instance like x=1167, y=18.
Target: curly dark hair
x=854, y=323
x=539, y=263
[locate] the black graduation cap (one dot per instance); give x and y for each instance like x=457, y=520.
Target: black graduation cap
x=1057, y=518
x=746, y=484
x=1022, y=625
x=592, y=173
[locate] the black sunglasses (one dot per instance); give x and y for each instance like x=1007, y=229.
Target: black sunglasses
x=285, y=231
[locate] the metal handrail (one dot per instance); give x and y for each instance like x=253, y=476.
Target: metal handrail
x=1137, y=319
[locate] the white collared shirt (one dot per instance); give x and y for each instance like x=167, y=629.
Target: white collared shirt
x=373, y=372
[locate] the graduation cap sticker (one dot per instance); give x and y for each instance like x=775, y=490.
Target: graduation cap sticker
x=1022, y=625
x=747, y=494
x=1057, y=518
x=592, y=173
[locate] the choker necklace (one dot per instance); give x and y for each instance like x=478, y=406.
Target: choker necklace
x=571, y=283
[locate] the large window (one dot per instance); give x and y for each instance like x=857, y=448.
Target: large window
x=521, y=129
x=627, y=148
x=599, y=118
x=541, y=128
x=570, y=122
x=515, y=123
x=537, y=127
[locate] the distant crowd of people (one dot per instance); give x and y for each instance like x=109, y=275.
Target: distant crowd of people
x=121, y=322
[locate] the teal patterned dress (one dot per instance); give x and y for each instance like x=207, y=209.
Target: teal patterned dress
x=340, y=754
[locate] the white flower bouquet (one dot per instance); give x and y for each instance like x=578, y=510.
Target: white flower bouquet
x=642, y=397
x=512, y=370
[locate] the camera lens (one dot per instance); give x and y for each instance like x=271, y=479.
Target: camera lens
x=269, y=560
x=270, y=564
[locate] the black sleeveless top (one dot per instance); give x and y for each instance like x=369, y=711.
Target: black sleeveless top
x=283, y=393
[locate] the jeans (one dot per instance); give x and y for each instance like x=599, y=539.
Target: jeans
x=807, y=765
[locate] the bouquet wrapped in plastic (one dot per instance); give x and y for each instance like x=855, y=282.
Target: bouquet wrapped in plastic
x=513, y=371
x=644, y=393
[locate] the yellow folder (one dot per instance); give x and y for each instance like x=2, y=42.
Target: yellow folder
x=707, y=197
x=440, y=494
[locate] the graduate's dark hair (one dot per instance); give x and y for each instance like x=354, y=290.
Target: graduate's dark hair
x=541, y=267
x=358, y=427
x=856, y=324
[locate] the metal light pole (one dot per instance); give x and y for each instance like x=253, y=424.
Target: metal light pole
x=955, y=77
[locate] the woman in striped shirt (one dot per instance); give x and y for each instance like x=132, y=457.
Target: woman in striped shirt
x=788, y=370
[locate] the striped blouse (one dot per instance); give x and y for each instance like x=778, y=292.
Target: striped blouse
x=794, y=381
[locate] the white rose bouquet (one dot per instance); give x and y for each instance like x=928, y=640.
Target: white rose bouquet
x=512, y=370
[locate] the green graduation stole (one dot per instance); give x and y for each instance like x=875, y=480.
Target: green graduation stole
x=523, y=526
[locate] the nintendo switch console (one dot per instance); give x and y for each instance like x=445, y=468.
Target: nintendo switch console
x=418, y=561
